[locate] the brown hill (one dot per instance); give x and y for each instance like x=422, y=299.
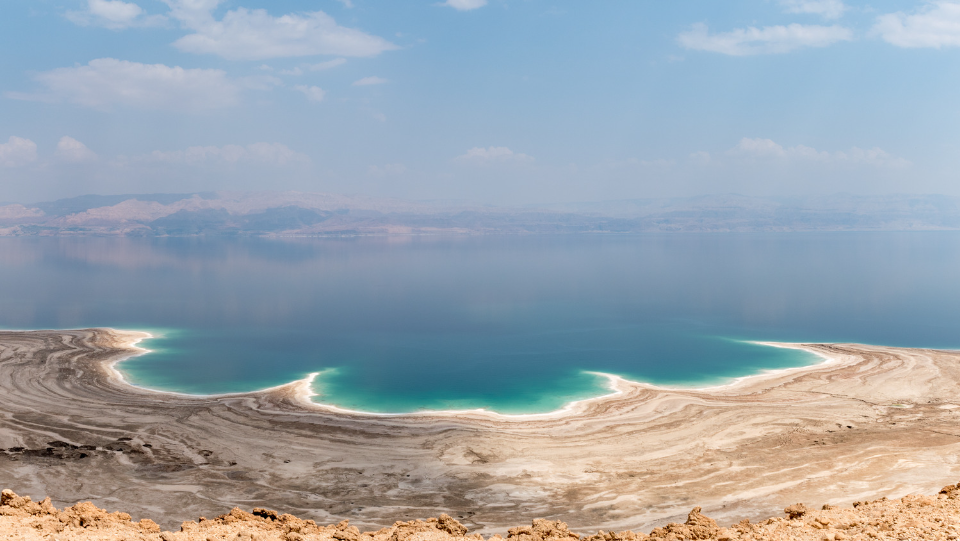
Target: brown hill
x=326, y=214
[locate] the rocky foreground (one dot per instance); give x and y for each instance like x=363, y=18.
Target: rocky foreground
x=910, y=517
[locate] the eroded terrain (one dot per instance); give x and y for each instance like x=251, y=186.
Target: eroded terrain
x=875, y=422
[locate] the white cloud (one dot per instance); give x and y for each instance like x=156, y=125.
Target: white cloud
x=73, y=151
x=464, y=5
x=936, y=26
x=493, y=154
x=296, y=72
x=256, y=153
x=313, y=93
x=245, y=34
x=115, y=10
x=346, y=3
x=17, y=151
x=328, y=64
x=114, y=14
x=828, y=9
x=107, y=82
x=193, y=13
x=767, y=149
x=766, y=40
x=367, y=81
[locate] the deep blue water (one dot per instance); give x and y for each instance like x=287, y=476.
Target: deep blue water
x=508, y=323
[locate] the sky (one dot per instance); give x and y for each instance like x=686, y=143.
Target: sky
x=487, y=101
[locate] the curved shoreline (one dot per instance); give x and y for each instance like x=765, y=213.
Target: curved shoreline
x=618, y=385
x=872, y=422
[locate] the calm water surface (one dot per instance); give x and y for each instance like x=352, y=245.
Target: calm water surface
x=513, y=324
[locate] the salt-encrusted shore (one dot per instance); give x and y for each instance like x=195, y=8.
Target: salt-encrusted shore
x=871, y=422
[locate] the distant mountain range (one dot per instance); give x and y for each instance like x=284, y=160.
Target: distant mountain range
x=319, y=214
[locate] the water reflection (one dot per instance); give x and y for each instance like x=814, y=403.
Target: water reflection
x=505, y=322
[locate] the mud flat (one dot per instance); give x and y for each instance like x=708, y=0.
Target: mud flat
x=873, y=422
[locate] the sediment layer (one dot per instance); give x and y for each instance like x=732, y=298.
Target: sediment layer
x=874, y=422
x=912, y=517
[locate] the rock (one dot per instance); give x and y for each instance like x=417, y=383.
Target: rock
x=546, y=529
x=519, y=531
x=700, y=526
x=796, y=510
x=450, y=525
x=10, y=499
x=910, y=517
x=268, y=514
x=48, y=507
x=32, y=508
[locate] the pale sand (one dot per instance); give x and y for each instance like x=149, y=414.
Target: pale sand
x=631, y=460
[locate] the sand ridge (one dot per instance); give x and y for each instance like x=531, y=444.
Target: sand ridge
x=872, y=422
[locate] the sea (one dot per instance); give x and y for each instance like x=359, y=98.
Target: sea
x=512, y=324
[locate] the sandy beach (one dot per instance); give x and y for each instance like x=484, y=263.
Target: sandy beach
x=871, y=422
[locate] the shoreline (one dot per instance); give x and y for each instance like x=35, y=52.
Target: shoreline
x=615, y=383
x=872, y=422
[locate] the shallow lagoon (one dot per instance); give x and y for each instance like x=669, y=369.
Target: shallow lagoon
x=513, y=324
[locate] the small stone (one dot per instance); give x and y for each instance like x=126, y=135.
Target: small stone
x=796, y=510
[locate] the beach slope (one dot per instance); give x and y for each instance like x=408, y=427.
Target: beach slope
x=872, y=422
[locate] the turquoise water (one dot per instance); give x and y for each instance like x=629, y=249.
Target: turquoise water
x=512, y=324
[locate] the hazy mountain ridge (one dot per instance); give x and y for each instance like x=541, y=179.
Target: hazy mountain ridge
x=294, y=213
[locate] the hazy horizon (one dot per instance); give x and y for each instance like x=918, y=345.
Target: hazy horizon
x=442, y=203
x=487, y=101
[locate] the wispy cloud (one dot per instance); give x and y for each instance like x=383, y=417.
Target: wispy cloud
x=767, y=149
x=257, y=153
x=320, y=66
x=313, y=93
x=492, y=155
x=245, y=34
x=367, y=81
x=114, y=14
x=936, y=25
x=17, y=152
x=828, y=9
x=106, y=83
x=329, y=64
x=766, y=40
x=464, y=5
